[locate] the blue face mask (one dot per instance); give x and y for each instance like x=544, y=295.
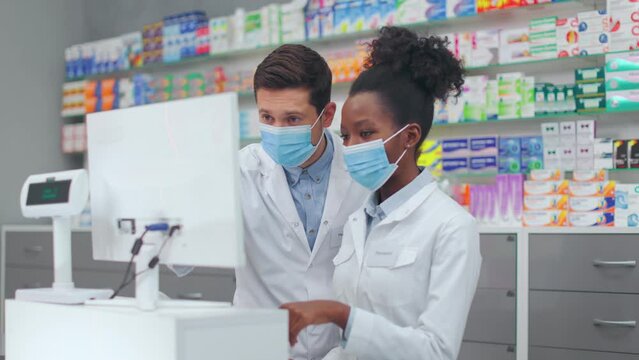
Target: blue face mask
x=368, y=163
x=289, y=146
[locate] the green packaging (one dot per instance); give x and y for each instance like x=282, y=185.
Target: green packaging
x=586, y=75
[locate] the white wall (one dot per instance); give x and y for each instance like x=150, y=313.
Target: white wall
x=33, y=35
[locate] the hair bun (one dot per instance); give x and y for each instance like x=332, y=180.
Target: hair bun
x=426, y=60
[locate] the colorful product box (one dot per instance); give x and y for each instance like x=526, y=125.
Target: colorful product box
x=546, y=187
x=627, y=205
x=514, y=45
x=588, y=75
x=585, y=132
x=633, y=154
x=492, y=100
x=594, y=32
x=591, y=203
x=598, y=104
x=430, y=157
x=623, y=21
x=620, y=154
x=546, y=175
x=567, y=37
x=590, y=90
x=485, y=48
x=408, y=11
x=589, y=175
x=545, y=218
x=622, y=62
x=528, y=97
x=602, y=188
x=483, y=164
x=484, y=146
x=509, y=155
x=455, y=148
x=474, y=98
x=622, y=101
x=591, y=218
x=543, y=38
x=545, y=202
x=532, y=153
x=455, y=165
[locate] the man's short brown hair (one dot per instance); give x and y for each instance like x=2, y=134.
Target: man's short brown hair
x=296, y=66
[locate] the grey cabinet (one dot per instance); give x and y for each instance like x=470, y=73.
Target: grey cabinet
x=480, y=351
x=540, y=353
x=582, y=262
x=584, y=296
x=586, y=321
x=29, y=264
x=491, y=327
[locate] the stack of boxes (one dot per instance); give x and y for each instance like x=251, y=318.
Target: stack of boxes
x=474, y=98
x=180, y=34
x=516, y=96
x=514, y=45
x=627, y=205
x=569, y=145
x=102, y=95
x=622, y=82
x=545, y=199
x=483, y=155
x=262, y=27
x=594, y=32
x=592, y=199
x=623, y=22
x=455, y=154
x=73, y=99
x=590, y=90
x=626, y=154
x=430, y=157
x=292, y=21
x=249, y=124
x=543, y=38
x=74, y=138
x=520, y=154
x=100, y=57
x=567, y=37
x=152, y=42
x=554, y=99
x=220, y=35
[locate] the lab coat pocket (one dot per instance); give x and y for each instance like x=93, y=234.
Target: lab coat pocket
x=407, y=256
x=394, y=281
x=336, y=239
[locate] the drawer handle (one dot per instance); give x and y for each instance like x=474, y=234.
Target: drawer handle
x=619, y=324
x=628, y=264
x=191, y=296
x=33, y=249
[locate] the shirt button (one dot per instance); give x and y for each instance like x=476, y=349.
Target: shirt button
x=307, y=196
x=312, y=231
x=317, y=180
x=296, y=224
x=325, y=222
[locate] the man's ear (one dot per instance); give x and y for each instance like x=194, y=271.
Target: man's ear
x=329, y=114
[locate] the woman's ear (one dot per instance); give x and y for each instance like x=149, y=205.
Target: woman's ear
x=412, y=135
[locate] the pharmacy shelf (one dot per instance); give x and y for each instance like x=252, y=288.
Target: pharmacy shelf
x=486, y=17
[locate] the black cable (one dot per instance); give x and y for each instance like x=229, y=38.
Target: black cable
x=135, y=250
x=152, y=264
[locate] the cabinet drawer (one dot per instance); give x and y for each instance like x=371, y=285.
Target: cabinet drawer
x=540, y=353
x=198, y=287
x=574, y=321
x=597, y=263
x=480, y=351
x=26, y=278
x=499, y=265
x=29, y=249
x=492, y=317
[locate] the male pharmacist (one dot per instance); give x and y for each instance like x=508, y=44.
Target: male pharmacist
x=296, y=192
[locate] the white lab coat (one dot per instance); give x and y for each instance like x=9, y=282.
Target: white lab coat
x=412, y=281
x=280, y=265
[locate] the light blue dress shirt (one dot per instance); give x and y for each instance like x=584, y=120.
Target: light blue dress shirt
x=308, y=188
x=377, y=213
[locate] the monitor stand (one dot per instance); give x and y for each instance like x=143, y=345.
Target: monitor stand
x=63, y=290
x=147, y=289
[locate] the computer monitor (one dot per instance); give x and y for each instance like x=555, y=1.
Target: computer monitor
x=175, y=162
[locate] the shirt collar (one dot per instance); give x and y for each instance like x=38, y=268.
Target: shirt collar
x=318, y=170
x=381, y=211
